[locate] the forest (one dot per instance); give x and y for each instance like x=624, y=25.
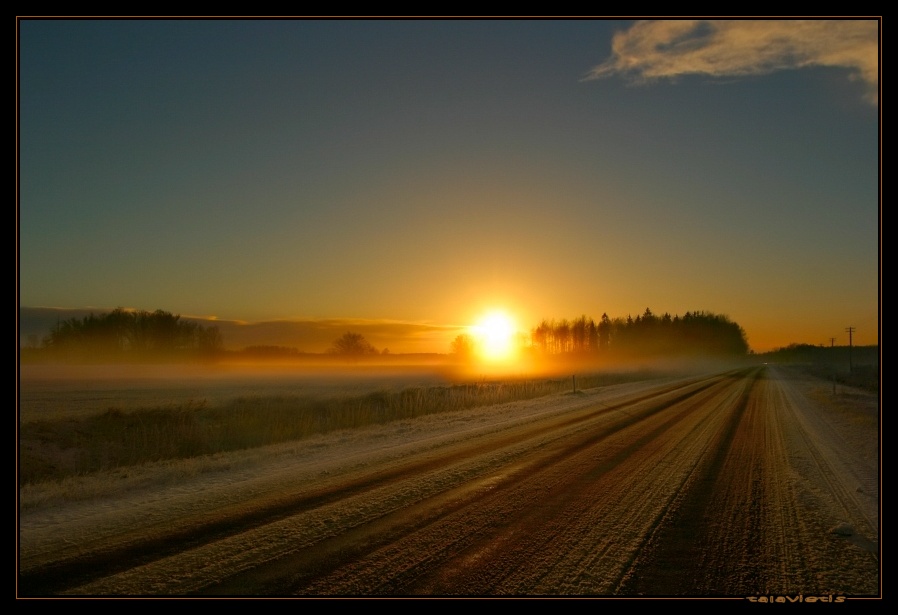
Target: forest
x=133, y=334
x=137, y=335
x=695, y=333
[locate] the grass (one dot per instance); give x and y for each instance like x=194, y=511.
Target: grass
x=865, y=377
x=53, y=450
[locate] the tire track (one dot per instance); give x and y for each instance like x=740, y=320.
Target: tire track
x=281, y=576
x=670, y=563
x=139, y=548
x=855, y=509
x=788, y=533
x=617, y=488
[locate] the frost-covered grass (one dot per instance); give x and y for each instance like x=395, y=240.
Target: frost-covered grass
x=55, y=449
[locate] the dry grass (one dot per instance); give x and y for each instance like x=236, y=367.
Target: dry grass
x=54, y=450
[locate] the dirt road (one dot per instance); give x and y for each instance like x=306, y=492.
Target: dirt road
x=751, y=482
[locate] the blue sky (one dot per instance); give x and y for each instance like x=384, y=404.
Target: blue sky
x=427, y=171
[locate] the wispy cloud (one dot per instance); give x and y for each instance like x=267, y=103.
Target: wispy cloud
x=319, y=335
x=652, y=50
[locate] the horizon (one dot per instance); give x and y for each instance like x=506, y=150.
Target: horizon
x=415, y=176
x=316, y=336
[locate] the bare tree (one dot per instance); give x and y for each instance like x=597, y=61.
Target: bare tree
x=352, y=344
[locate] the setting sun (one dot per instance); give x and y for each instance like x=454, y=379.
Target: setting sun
x=495, y=334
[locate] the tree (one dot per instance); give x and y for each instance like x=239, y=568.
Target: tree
x=209, y=339
x=131, y=333
x=352, y=344
x=463, y=347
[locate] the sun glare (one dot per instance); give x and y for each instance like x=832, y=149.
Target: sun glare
x=495, y=334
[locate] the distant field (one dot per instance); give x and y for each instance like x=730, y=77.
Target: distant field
x=50, y=392
x=77, y=420
x=53, y=391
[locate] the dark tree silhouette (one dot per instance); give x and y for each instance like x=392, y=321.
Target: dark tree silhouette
x=130, y=332
x=352, y=344
x=696, y=333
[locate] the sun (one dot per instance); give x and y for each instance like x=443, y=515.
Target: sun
x=495, y=336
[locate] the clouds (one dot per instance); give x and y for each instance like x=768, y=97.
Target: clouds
x=319, y=335
x=661, y=49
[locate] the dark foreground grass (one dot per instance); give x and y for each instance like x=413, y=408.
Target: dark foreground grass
x=53, y=450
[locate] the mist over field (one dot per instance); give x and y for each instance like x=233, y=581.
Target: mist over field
x=129, y=410
x=313, y=307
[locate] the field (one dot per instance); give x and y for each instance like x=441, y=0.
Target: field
x=758, y=481
x=73, y=424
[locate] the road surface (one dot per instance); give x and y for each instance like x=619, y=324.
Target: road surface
x=751, y=482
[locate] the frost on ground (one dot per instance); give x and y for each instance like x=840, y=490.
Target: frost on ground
x=168, y=490
x=422, y=506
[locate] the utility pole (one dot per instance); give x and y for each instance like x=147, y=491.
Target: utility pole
x=832, y=344
x=850, y=331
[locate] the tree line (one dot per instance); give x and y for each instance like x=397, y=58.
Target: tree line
x=122, y=333
x=646, y=335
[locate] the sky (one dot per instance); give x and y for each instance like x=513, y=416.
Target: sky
x=420, y=173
